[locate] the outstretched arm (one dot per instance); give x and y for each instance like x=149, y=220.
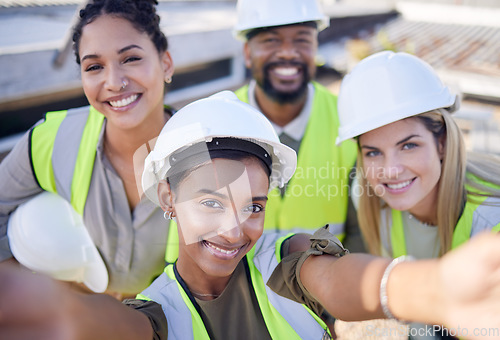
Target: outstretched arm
x=347, y=287
x=462, y=289
x=34, y=306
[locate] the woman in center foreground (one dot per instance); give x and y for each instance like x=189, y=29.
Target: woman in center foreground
x=211, y=171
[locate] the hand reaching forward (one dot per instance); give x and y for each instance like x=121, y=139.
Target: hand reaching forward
x=470, y=279
x=31, y=306
x=36, y=307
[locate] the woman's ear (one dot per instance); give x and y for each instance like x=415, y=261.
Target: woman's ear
x=165, y=196
x=168, y=66
x=246, y=54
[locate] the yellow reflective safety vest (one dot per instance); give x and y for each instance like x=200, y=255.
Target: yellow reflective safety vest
x=69, y=140
x=478, y=215
x=318, y=192
x=284, y=318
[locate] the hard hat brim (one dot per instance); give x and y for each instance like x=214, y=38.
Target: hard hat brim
x=55, y=244
x=356, y=129
x=96, y=275
x=241, y=32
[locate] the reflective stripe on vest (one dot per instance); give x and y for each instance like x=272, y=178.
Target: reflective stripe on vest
x=476, y=217
x=177, y=306
x=63, y=150
x=172, y=251
x=281, y=315
x=317, y=194
x=284, y=318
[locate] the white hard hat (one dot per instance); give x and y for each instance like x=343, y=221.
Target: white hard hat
x=267, y=13
x=48, y=236
x=220, y=115
x=386, y=87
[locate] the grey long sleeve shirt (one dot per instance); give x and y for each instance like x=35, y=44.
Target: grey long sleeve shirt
x=131, y=244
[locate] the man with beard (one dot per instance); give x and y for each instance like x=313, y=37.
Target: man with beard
x=280, y=44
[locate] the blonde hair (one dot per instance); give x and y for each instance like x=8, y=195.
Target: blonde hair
x=452, y=192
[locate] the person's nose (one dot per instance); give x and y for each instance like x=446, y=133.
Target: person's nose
x=232, y=228
x=392, y=167
x=232, y=234
x=287, y=50
x=115, y=79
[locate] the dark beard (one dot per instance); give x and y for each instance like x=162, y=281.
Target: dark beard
x=285, y=97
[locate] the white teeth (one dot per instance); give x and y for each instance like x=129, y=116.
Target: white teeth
x=124, y=102
x=288, y=71
x=399, y=185
x=228, y=252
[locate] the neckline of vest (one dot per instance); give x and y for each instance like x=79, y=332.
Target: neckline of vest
x=192, y=298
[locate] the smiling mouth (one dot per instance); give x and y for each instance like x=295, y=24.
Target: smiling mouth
x=220, y=251
x=401, y=185
x=286, y=71
x=124, y=102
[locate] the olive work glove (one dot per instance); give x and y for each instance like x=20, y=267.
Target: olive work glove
x=285, y=279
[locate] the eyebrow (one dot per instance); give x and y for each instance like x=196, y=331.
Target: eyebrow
x=120, y=51
x=212, y=192
x=218, y=194
x=404, y=140
x=306, y=32
x=129, y=47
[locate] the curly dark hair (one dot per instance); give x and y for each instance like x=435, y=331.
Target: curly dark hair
x=140, y=13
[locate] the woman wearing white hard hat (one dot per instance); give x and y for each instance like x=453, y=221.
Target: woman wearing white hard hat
x=419, y=192
x=211, y=170
x=88, y=155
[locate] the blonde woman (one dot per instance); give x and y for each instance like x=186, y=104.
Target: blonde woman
x=419, y=192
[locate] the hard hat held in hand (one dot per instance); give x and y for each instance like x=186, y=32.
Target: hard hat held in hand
x=267, y=13
x=386, y=87
x=220, y=115
x=48, y=236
